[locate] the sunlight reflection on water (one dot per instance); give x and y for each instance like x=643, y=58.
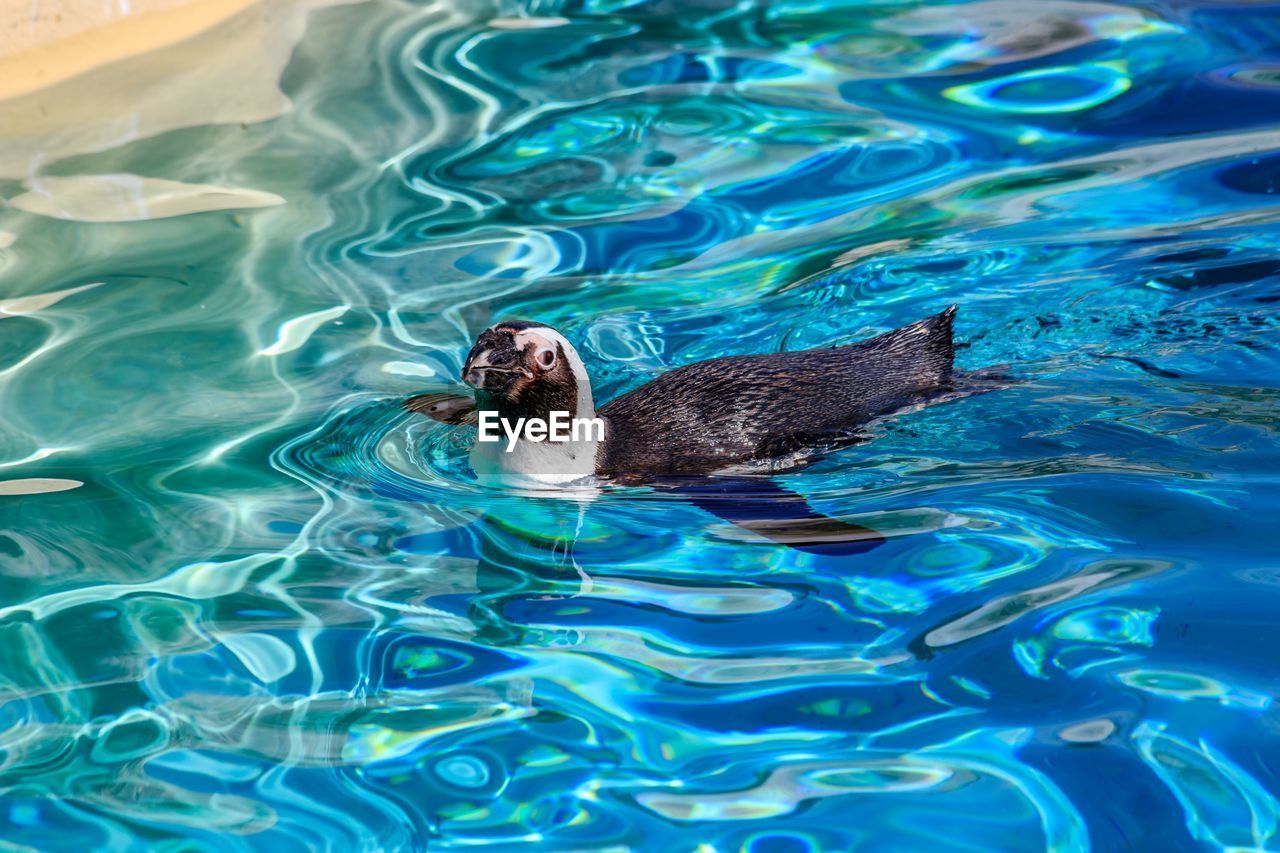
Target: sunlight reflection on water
x=248, y=602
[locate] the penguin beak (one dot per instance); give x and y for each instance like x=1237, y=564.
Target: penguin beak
x=474, y=367
x=472, y=375
x=479, y=364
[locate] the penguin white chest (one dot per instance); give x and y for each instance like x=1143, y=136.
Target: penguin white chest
x=525, y=462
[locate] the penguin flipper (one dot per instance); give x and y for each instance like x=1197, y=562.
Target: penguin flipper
x=764, y=507
x=444, y=407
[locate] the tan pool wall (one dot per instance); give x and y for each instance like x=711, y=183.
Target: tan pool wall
x=43, y=42
x=80, y=76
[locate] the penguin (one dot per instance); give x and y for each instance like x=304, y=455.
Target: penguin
x=730, y=414
x=707, y=429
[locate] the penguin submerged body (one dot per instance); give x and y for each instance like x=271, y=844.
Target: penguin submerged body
x=698, y=420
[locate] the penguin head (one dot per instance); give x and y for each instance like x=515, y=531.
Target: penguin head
x=518, y=362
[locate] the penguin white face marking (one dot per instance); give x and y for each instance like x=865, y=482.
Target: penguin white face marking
x=541, y=352
x=545, y=358
x=547, y=338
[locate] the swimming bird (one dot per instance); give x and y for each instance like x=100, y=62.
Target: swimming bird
x=699, y=427
x=721, y=415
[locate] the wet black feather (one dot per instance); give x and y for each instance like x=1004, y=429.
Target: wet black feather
x=705, y=416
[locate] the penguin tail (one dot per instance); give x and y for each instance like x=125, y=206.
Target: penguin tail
x=941, y=325
x=944, y=337
x=937, y=348
x=922, y=352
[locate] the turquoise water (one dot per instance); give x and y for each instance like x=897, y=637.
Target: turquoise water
x=247, y=603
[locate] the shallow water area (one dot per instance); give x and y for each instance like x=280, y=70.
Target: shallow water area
x=248, y=602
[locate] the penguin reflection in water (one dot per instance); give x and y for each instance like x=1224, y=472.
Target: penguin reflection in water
x=708, y=431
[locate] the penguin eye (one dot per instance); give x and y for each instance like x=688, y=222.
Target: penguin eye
x=546, y=358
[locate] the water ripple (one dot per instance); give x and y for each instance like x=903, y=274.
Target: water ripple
x=250, y=602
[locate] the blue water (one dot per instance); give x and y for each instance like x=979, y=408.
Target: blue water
x=247, y=603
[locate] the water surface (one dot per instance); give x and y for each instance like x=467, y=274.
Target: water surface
x=247, y=603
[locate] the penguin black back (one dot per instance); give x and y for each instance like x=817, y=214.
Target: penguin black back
x=707, y=416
